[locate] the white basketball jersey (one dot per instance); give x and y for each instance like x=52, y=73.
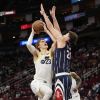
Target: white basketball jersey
x=43, y=68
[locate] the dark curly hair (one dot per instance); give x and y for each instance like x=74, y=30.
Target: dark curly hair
x=73, y=37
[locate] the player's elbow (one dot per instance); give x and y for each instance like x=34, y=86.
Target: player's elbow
x=28, y=45
x=79, y=81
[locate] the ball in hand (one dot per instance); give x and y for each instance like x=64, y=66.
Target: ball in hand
x=38, y=26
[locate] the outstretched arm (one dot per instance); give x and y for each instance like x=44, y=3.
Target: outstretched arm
x=52, y=37
x=55, y=22
x=54, y=32
x=29, y=45
x=49, y=33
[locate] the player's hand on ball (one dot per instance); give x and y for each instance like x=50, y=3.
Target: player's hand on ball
x=33, y=31
x=38, y=26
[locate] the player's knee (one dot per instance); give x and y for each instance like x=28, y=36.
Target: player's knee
x=33, y=87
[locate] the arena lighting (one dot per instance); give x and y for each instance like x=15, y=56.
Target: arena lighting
x=4, y=13
x=74, y=16
x=25, y=26
x=75, y=1
x=22, y=43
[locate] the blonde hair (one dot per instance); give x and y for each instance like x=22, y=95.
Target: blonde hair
x=37, y=44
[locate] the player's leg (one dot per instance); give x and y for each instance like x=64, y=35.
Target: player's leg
x=40, y=95
x=35, y=87
x=46, y=91
x=40, y=98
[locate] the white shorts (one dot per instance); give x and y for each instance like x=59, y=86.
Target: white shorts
x=40, y=87
x=75, y=97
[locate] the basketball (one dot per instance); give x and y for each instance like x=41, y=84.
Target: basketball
x=38, y=26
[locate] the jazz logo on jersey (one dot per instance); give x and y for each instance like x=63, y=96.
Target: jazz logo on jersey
x=46, y=60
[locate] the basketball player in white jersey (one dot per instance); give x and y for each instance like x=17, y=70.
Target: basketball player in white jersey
x=42, y=83
x=76, y=82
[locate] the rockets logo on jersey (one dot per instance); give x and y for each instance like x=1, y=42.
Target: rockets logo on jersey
x=59, y=90
x=58, y=95
x=46, y=60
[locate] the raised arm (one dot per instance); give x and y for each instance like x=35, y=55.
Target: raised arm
x=52, y=37
x=55, y=22
x=49, y=33
x=29, y=45
x=54, y=31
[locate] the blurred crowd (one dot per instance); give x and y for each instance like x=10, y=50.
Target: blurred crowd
x=86, y=62
x=17, y=70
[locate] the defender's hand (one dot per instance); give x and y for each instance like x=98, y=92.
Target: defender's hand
x=52, y=12
x=42, y=10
